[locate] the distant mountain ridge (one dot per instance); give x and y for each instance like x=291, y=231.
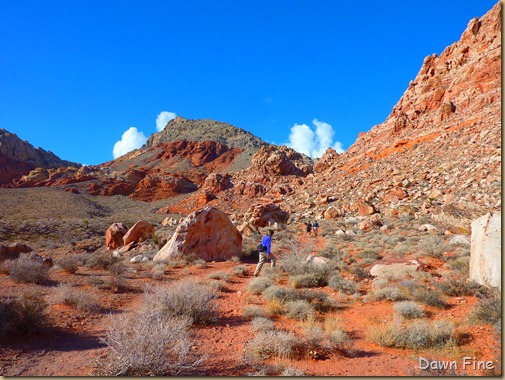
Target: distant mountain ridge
x=206, y=130
x=18, y=157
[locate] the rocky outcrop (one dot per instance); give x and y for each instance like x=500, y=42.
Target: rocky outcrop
x=329, y=159
x=141, y=230
x=280, y=161
x=154, y=187
x=114, y=235
x=13, y=251
x=485, y=252
x=207, y=234
x=262, y=215
x=18, y=157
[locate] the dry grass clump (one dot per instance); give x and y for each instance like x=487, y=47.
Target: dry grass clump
x=338, y=283
x=280, y=293
x=217, y=285
x=240, y=270
x=66, y=294
x=327, y=339
x=70, y=264
x=433, y=246
x=184, y=298
x=272, y=343
x=22, y=315
x=458, y=286
x=262, y=324
x=488, y=310
x=300, y=310
x=308, y=280
x=27, y=270
x=409, y=309
x=254, y=311
x=200, y=263
x=148, y=344
x=100, y=260
x=224, y=276
x=258, y=285
x=418, y=335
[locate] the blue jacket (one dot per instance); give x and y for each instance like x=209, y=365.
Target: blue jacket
x=267, y=242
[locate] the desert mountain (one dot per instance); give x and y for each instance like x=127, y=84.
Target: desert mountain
x=438, y=153
x=18, y=157
x=206, y=130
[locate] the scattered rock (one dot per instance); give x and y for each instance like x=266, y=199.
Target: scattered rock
x=142, y=230
x=114, y=235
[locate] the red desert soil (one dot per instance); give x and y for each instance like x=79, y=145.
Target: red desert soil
x=74, y=348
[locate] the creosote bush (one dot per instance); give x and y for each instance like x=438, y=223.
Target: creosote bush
x=184, y=298
x=67, y=295
x=148, y=344
x=27, y=270
x=22, y=315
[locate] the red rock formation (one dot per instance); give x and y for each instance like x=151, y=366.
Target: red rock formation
x=114, y=235
x=140, y=231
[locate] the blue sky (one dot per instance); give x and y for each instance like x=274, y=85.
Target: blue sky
x=76, y=75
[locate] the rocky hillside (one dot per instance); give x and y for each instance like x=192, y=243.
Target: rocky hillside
x=18, y=157
x=438, y=153
x=206, y=130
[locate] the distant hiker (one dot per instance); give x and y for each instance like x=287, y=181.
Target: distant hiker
x=315, y=226
x=265, y=251
x=309, y=227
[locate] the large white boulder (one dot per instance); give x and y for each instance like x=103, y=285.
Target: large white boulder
x=207, y=234
x=485, y=251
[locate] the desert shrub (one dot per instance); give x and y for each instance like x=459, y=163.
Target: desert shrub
x=65, y=294
x=22, y=315
x=235, y=259
x=240, y=270
x=329, y=339
x=457, y=286
x=69, y=264
x=433, y=246
x=409, y=309
x=271, y=343
x=184, y=298
x=217, y=285
x=157, y=271
x=308, y=280
x=280, y=293
x=338, y=283
x=292, y=371
x=200, y=263
x=337, y=340
x=260, y=324
x=254, y=311
x=275, y=307
x=319, y=300
x=272, y=273
x=146, y=344
x=224, y=276
x=258, y=285
x=369, y=254
x=389, y=293
x=26, y=270
x=418, y=335
x=461, y=265
x=301, y=310
x=330, y=251
x=428, y=297
x=100, y=260
x=118, y=268
x=487, y=310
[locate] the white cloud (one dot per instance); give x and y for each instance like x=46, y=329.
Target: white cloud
x=131, y=139
x=313, y=143
x=163, y=118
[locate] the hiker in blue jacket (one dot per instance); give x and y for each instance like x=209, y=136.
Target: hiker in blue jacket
x=265, y=253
